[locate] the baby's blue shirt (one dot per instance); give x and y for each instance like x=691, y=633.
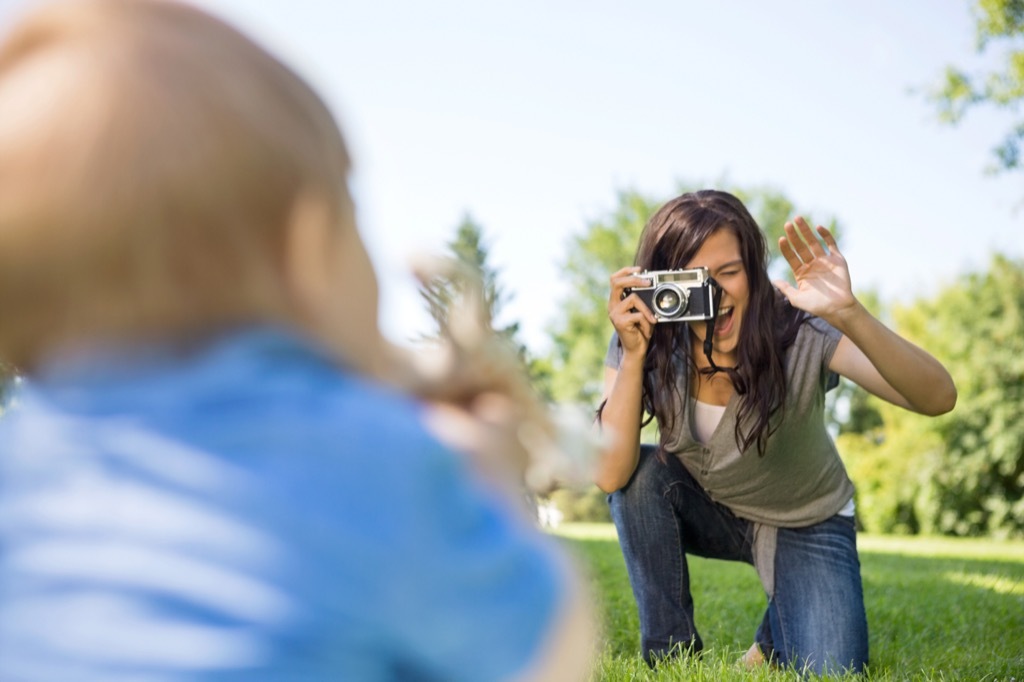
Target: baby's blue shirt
x=252, y=512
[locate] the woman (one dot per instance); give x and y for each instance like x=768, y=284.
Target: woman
x=746, y=470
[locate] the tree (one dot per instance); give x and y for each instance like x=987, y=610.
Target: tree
x=961, y=473
x=849, y=406
x=581, y=337
x=996, y=22
x=976, y=483
x=580, y=340
x=607, y=244
x=470, y=248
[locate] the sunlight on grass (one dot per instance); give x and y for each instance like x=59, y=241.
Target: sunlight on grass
x=587, y=531
x=960, y=548
x=963, y=548
x=938, y=609
x=996, y=583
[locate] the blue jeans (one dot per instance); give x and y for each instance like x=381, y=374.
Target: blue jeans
x=815, y=618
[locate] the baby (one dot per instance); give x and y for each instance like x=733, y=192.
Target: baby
x=212, y=472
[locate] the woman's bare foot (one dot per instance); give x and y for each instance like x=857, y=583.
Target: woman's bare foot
x=753, y=658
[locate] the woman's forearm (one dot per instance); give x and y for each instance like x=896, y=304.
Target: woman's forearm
x=620, y=423
x=918, y=377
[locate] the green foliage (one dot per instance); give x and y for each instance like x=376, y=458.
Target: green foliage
x=582, y=332
x=772, y=209
x=470, y=248
x=997, y=22
x=589, y=505
x=849, y=406
x=945, y=609
x=977, y=326
x=885, y=464
x=608, y=244
x=961, y=473
x=7, y=379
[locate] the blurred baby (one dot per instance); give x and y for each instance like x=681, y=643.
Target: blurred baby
x=212, y=471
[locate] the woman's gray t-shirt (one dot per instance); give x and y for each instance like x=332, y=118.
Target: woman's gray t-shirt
x=800, y=480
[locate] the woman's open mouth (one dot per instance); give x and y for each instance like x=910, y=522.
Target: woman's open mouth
x=723, y=325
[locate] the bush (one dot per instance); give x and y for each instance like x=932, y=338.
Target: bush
x=589, y=504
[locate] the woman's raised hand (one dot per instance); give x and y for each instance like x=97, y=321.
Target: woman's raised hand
x=633, y=320
x=823, y=285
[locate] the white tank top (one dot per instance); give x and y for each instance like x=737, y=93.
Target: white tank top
x=705, y=419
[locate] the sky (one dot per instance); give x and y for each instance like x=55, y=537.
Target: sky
x=531, y=116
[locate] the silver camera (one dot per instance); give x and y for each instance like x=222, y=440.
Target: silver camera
x=678, y=295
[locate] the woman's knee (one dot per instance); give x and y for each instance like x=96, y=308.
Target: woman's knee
x=650, y=473
x=819, y=601
x=649, y=481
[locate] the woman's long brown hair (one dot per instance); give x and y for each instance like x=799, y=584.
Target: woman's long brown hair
x=670, y=239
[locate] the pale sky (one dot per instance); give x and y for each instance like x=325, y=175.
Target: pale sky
x=531, y=115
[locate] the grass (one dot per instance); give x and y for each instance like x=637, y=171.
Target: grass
x=938, y=609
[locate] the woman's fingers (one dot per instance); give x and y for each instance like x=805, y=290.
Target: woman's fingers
x=789, y=254
x=620, y=302
x=629, y=311
x=626, y=278
x=801, y=245
x=809, y=238
x=642, y=320
x=633, y=320
x=797, y=244
x=626, y=317
x=634, y=325
x=830, y=241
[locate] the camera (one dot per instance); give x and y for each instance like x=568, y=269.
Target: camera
x=678, y=295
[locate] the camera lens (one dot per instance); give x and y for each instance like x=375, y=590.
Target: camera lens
x=668, y=300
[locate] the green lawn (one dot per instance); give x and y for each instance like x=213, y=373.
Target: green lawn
x=938, y=609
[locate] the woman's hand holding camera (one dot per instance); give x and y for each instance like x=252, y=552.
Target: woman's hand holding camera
x=633, y=320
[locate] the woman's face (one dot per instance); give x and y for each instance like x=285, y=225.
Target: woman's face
x=720, y=254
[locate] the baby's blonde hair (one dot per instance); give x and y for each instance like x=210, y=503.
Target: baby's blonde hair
x=150, y=159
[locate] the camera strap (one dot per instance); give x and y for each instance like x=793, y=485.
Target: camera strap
x=710, y=333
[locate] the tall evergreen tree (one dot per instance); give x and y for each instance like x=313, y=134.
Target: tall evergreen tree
x=470, y=248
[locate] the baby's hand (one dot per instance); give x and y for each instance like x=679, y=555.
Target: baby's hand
x=484, y=404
